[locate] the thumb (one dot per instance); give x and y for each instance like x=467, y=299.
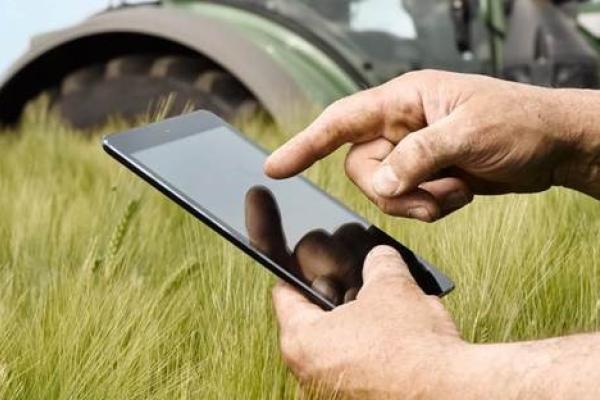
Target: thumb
x=418, y=157
x=292, y=308
x=384, y=264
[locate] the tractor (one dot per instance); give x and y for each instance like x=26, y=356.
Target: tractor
x=283, y=57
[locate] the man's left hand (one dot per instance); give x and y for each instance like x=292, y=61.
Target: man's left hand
x=393, y=341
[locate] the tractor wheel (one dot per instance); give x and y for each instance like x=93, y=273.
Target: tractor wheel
x=135, y=85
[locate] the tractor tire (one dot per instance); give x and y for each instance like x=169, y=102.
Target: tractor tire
x=132, y=86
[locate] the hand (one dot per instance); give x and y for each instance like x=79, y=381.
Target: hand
x=392, y=341
x=426, y=142
x=395, y=342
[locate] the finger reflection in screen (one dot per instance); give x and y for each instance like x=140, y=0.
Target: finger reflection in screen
x=330, y=263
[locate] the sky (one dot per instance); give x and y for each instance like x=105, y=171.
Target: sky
x=20, y=19
x=384, y=15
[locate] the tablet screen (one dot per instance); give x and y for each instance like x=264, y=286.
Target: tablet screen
x=290, y=221
x=218, y=168
x=290, y=226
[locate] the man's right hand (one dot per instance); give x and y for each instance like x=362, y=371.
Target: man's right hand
x=426, y=142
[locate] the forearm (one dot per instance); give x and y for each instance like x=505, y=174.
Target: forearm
x=576, y=114
x=560, y=368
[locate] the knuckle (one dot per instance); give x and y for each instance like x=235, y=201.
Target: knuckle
x=469, y=139
x=335, y=108
x=320, y=145
x=410, y=75
x=423, y=148
x=332, y=117
x=420, y=145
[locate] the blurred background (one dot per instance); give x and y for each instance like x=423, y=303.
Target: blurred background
x=20, y=20
x=279, y=59
x=109, y=290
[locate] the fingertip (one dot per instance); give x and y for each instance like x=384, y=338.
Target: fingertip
x=426, y=212
x=386, y=182
x=270, y=166
x=382, y=251
x=290, y=159
x=275, y=165
x=382, y=261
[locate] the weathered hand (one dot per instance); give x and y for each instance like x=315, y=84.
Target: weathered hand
x=425, y=142
x=392, y=341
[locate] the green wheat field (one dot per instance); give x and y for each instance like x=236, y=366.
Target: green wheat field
x=110, y=291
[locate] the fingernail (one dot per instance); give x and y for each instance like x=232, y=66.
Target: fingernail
x=385, y=181
x=455, y=200
x=420, y=213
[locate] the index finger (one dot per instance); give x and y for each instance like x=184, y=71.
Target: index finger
x=353, y=119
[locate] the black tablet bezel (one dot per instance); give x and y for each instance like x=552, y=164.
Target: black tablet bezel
x=169, y=130
x=122, y=147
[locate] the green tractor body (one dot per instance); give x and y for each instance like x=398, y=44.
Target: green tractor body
x=287, y=58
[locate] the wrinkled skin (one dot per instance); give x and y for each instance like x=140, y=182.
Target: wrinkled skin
x=421, y=146
x=426, y=142
x=350, y=347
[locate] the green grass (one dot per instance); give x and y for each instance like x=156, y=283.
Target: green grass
x=108, y=290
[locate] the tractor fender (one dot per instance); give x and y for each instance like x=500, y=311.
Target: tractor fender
x=54, y=55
